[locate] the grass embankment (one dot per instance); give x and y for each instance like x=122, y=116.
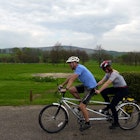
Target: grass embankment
x=16, y=82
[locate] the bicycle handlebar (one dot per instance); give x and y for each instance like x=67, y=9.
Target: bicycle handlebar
x=62, y=91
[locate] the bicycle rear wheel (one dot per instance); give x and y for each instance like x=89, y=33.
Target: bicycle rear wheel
x=53, y=118
x=129, y=115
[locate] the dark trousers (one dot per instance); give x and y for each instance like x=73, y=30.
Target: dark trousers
x=118, y=94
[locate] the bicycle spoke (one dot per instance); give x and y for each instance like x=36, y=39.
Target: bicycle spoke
x=53, y=118
x=129, y=115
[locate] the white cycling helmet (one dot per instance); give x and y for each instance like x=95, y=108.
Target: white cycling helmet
x=73, y=59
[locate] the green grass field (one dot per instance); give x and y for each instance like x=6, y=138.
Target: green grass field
x=16, y=82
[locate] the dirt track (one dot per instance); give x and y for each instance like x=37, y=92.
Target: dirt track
x=21, y=123
x=55, y=75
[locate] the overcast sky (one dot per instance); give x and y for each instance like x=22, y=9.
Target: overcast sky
x=113, y=24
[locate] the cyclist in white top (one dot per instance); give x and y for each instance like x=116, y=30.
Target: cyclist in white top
x=88, y=86
x=119, y=89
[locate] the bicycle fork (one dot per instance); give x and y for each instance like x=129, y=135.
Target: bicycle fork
x=60, y=106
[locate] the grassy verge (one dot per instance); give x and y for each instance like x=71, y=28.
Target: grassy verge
x=17, y=82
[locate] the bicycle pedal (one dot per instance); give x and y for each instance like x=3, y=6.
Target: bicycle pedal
x=109, y=118
x=105, y=112
x=80, y=121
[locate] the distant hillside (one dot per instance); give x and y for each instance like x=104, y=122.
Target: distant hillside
x=115, y=53
x=88, y=51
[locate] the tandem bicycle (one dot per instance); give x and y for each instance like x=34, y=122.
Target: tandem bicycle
x=54, y=117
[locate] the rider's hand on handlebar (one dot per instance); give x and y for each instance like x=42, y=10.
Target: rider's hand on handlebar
x=97, y=91
x=60, y=87
x=63, y=90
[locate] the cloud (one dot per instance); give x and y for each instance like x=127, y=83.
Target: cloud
x=113, y=24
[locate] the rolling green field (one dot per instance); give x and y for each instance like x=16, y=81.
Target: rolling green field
x=17, y=81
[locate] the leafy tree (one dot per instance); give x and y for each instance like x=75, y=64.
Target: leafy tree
x=131, y=58
x=100, y=54
x=45, y=56
x=55, y=54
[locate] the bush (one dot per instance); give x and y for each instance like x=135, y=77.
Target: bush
x=133, y=82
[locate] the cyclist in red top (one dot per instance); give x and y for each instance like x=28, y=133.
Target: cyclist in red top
x=119, y=89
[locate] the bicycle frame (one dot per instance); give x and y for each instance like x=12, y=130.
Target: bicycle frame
x=68, y=102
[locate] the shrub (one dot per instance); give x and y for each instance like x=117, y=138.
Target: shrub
x=133, y=82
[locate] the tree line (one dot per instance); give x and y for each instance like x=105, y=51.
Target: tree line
x=59, y=55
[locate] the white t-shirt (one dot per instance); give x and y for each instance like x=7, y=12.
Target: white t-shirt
x=116, y=78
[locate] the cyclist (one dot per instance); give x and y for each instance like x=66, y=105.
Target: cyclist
x=119, y=89
x=88, y=86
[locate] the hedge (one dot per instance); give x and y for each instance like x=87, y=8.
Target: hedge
x=133, y=82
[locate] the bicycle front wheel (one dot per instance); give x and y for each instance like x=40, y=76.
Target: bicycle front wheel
x=129, y=115
x=53, y=118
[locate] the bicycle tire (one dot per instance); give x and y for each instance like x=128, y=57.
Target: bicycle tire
x=129, y=115
x=53, y=118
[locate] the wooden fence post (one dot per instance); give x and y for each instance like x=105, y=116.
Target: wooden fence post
x=31, y=96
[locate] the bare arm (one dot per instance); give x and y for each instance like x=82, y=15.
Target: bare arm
x=101, y=82
x=70, y=80
x=66, y=81
x=105, y=85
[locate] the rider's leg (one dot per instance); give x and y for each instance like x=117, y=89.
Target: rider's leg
x=74, y=92
x=84, y=111
x=119, y=94
x=105, y=94
x=82, y=106
x=113, y=104
x=87, y=124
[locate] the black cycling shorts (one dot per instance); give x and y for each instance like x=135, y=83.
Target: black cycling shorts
x=88, y=93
